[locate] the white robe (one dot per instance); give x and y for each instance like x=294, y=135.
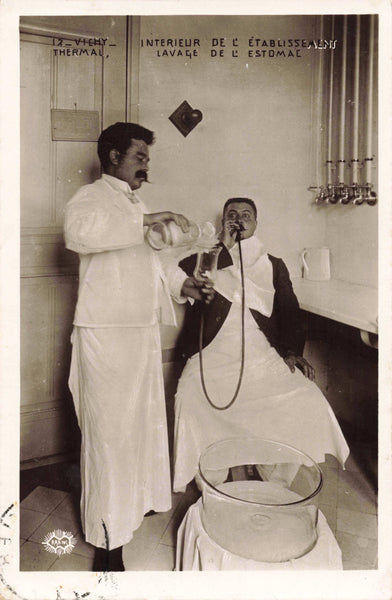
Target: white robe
x=273, y=403
x=117, y=387
x=116, y=369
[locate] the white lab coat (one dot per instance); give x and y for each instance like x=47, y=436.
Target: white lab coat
x=116, y=370
x=121, y=279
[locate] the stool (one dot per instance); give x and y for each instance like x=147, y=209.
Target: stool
x=196, y=551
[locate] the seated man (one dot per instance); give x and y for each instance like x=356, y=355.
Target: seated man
x=278, y=399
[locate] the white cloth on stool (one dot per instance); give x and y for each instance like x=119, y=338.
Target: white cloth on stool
x=273, y=403
x=196, y=551
x=117, y=386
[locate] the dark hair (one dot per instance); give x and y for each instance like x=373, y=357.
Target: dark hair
x=246, y=200
x=119, y=137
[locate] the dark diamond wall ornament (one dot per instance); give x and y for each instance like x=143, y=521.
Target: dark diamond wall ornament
x=185, y=118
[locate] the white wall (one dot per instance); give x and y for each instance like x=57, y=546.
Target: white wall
x=351, y=233
x=255, y=138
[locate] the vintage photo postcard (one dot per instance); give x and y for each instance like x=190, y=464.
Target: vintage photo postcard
x=195, y=300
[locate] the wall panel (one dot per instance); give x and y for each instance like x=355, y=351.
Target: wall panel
x=51, y=172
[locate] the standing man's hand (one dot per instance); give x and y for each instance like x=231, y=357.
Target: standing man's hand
x=198, y=290
x=293, y=361
x=164, y=217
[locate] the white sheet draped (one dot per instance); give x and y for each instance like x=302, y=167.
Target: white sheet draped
x=273, y=403
x=197, y=551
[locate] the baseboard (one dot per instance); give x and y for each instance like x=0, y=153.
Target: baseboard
x=43, y=461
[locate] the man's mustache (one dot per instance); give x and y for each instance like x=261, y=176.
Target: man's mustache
x=236, y=227
x=142, y=174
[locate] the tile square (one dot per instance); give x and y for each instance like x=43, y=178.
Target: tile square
x=162, y=559
x=354, y=493
x=176, y=499
x=330, y=513
x=82, y=547
x=352, y=464
x=153, y=527
x=357, y=551
x=34, y=557
x=29, y=521
x=43, y=499
x=72, y=562
x=331, y=461
x=169, y=537
x=69, y=508
x=363, y=458
x=52, y=523
x=329, y=491
x=356, y=523
x=137, y=553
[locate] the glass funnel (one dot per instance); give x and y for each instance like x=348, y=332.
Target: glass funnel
x=207, y=264
x=260, y=498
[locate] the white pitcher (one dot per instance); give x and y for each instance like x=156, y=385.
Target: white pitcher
x=316, y=264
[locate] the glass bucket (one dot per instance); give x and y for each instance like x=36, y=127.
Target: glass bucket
x=260, y=498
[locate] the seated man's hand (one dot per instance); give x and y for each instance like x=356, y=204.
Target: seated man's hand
x=293, y=361
x=228, y=234
x=164, y=217
x=198, y=290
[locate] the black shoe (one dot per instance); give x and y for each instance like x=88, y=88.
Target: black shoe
x=108, y=560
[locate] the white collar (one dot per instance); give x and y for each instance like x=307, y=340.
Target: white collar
x=252, y=250
x=259, y=287
x=117, y=184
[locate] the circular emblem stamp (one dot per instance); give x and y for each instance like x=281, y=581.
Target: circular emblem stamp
x=59, y=542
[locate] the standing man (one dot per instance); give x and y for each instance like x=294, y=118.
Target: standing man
x=116, y=371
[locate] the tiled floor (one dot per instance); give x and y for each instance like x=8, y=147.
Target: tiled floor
x=348, y=501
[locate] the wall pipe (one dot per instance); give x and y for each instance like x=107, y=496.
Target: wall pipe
x=343, y=104
x=368, y=159
x=355, y=158
x=330, y=109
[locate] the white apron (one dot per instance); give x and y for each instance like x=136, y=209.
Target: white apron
x=117, y=386
x=273, y=403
